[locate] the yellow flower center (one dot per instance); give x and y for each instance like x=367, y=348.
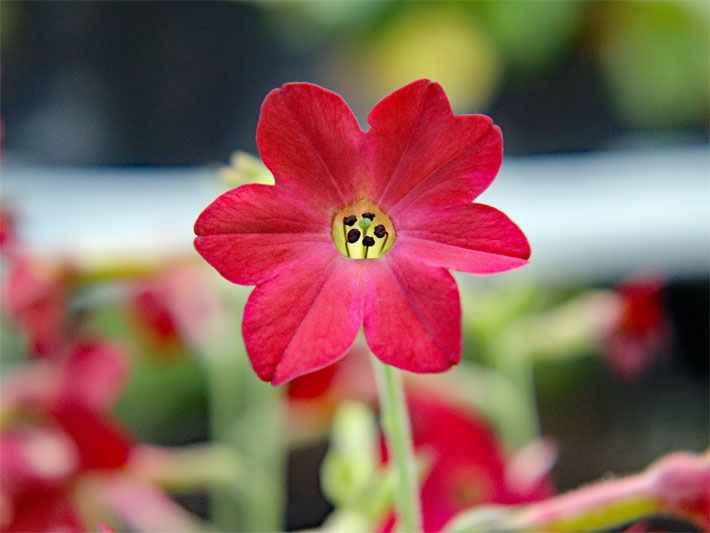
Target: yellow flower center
x=362, y=231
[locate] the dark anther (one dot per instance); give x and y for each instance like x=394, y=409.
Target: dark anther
x=349, y=221
x=368, y=241
x=371, y=216
x=380, y=231
x=353, y=235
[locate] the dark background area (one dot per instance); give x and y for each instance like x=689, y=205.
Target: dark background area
x=180, y=83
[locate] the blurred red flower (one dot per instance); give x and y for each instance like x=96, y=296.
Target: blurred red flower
x=59, y=430
x=7, y=230
x=36, y=299
x=399, y=194
x=467, y=466
x=151, y=307
x=640, y=333
x=177, y=306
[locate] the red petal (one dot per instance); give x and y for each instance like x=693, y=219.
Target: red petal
x=424, y=153
x=310, y=140
x=258, y=209
x=473, y=238
x=413, y=315
x=101, y=445
x=303, y=319
x=249, y=233
x=93, y=375
x=44, y=510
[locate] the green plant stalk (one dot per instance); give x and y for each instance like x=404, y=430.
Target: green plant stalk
x=507, y=355
x=240, y=403
x=225, y=402
x=395, y=423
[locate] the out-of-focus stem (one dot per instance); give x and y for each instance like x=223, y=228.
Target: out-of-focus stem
x=395, y=423
x=245, y=415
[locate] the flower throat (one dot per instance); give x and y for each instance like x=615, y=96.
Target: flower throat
x=362, y=231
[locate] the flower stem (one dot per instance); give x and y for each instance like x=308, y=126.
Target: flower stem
x=395, y=423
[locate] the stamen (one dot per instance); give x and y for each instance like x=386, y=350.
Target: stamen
x=366, y=243
x=354, y=235
x=384, y=243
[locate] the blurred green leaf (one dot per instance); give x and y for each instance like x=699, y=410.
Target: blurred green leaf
x=655, y=57
x=530, y=34
x=351, y=462
x=165, y=401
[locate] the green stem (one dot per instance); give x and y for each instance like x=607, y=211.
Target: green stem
x=395, y=423
x=239, y=405
x=511, y=360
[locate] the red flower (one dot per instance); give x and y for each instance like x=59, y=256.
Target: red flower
x=176, y=306
x=399, y=195
x=467, y=467
x=60, y=431
x=7, y=229
x=36, y=298
x=641, y=332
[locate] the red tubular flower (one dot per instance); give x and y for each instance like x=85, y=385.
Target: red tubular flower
x=360, y=228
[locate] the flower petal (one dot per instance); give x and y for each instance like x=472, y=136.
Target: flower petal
x=303, y=319
x=257, y=208
x=101, y=444
x=310, y=140
x=473, y=238
x=250, y=232
x=413, y=315
x=93, y=375
x=421, y=149
x=144, y=507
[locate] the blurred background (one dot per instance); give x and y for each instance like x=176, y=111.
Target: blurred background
x=117, y=121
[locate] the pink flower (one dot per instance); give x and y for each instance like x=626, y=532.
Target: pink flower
x=360, y=228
